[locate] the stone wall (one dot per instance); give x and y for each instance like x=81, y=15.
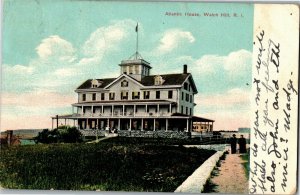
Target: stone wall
x=91, y=132
x=149, y=134
x=195, y=183
x=156, y=134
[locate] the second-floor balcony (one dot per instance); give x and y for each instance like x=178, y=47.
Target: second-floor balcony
x=162, y=108
x=125, y=114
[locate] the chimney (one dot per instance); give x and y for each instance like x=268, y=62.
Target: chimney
x=184, y=69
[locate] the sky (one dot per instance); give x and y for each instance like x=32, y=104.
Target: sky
x=50, y=47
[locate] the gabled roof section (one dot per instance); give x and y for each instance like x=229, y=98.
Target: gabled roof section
x=88, y=83
x=122, y=76
x=192, y=83
x=169, y=79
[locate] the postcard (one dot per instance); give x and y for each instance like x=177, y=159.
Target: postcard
x=127, y=96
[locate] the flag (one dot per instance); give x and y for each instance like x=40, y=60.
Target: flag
x=137, y=27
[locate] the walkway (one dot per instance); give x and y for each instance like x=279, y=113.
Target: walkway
x=231, y=177
x=111, y=135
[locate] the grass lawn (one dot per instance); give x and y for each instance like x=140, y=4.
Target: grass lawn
x=105, y=166
x=246, y=164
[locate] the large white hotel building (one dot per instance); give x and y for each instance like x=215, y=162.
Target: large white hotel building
x=137, y=103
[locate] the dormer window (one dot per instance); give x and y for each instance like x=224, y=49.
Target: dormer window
x=158, y=80
x=124, y=83
x=96, y=83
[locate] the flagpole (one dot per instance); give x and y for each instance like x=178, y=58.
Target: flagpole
x=137, y=41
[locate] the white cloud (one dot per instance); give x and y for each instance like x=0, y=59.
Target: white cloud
x=238, y=61
x=105, y=39
x=235, y=63
x=230, y=99
x=172, y=39
x=66, y=72
x=57, y=59
x=17, y=69
x=209, y=63
x=55, y=46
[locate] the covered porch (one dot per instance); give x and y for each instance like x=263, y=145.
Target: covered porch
x=202, y=125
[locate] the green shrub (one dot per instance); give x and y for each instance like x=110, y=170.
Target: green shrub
x=65, y=134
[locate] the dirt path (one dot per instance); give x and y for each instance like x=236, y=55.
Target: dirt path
x=231, y=177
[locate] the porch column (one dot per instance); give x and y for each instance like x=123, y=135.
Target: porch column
x=123, y=109
x=107, y=123
x=130, y=124
x=166, y=124
x=72, y=109
x=81, y=110
x=86, y=123
x=65, y=121
x=142, y=125
x=157, y=109
x=92, y=110
x=154, y=125
x=119, y=124
x=112, y=110
x=187, y=125
x=170, y=108
x=102, y=109
x=146, y=106
x=134, y=107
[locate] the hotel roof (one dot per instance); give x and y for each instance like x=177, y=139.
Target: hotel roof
x=169, y=79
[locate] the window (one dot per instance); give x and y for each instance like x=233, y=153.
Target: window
x=186, y=110
x=191, y=98
x=170, y=94
x=157, y=94
x=94, y=110
x=130, y=69
x=182, y=95
x=124, y=83
x=185, y=86
x=146, y=94
x=137, y=69
x=181, y=109
x=94, y=97
x=83, y=110
x=83, y=97
x=135, y=95
x=102, y=96
x=124, y=95
x=111, y=96
x=187, y=97
x=124, y=70
x=190, y=111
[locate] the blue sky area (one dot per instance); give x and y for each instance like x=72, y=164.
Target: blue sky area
x=51, y=47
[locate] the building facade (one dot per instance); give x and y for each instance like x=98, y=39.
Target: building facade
x=137, y=101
